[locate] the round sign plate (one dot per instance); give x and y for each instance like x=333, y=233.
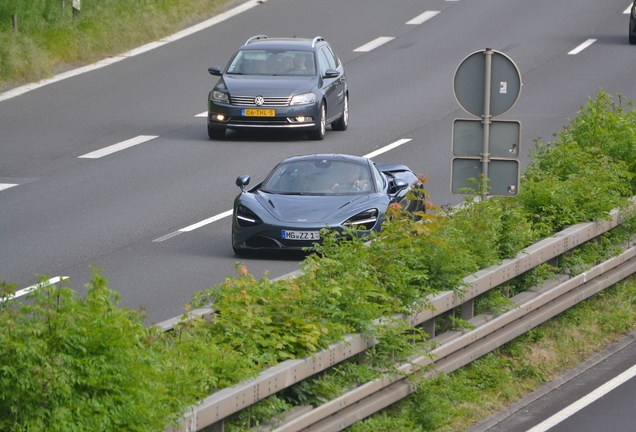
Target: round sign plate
x=469, y=83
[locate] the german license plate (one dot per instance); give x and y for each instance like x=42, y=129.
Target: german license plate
x=252, y=112
x=301, y=235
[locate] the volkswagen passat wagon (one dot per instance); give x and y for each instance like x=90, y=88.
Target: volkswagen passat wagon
x=283, y=83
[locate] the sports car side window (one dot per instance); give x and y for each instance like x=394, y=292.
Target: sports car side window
x=378, y=177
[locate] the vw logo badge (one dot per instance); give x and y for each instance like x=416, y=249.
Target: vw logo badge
x=259, y=100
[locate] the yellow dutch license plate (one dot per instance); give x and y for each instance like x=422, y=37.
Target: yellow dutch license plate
x=251, y=112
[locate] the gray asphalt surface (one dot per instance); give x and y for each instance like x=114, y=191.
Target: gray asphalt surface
x=68, y=214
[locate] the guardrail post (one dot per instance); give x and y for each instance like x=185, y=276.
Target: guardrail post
x=14, y=20
x=429, y=327
x=468, y=309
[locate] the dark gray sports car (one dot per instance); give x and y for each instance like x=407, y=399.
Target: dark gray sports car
x=304, y=194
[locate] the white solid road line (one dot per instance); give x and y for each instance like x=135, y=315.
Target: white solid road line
x=203, y=25
x=374, y=44
x=6, y=185
x=585, y=401
x=423, y=17
x=25, y=291
x=229, y=212
x=581, y=47
x=118, y=147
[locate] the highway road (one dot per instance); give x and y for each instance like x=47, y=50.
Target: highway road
x=153, y=215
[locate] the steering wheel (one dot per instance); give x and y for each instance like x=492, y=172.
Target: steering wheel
x=347, y=187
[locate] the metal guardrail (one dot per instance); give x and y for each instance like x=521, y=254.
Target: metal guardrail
x=457, y=349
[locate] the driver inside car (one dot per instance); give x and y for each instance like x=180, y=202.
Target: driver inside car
x=351, y=183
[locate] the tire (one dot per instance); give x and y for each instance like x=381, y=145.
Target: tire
x=215, y=133
x=319, y=134
x=632, y=31
x=632, y=39
x=343, y=122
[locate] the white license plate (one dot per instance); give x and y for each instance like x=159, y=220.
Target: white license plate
x=300, y=235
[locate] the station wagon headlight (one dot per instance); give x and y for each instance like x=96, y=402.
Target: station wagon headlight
x=303, y=99
x=219, y=96
x=366, y=219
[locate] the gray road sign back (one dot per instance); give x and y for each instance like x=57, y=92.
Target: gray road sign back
x=505, y=171
x=468, y=138
x=469, y=84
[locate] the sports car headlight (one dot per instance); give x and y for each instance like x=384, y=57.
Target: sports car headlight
x=365, y=219
x=219, y=96
x=303, y=99
x=246, y=218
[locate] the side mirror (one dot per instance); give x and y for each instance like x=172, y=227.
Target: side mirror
x=215, y=70
x=398, y=185
x=331, y=73
x=243, y=181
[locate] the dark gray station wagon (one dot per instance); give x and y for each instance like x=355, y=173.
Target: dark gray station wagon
x=280, y=83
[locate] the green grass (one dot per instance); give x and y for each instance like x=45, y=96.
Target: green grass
x=49, y=40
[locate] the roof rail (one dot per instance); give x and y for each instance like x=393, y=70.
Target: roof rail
x=316, y=40
x=257, y=37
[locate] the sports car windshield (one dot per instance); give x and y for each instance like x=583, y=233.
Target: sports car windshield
x=272, y=62
x=319, y=177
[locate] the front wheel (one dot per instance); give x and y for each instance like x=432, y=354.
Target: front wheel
x=343, y=122
x=319, y=134
x=216, y=133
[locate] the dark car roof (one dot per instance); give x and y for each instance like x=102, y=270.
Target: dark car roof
x=341, y=157
x=283, y=43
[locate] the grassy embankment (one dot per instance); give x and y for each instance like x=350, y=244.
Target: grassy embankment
x=49, y=40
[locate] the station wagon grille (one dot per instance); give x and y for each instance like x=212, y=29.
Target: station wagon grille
x=269, y=101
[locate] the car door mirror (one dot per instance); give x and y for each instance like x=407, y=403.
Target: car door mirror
x=215, y=70
x=397, y=185
x=331, y=73
x=243, y=181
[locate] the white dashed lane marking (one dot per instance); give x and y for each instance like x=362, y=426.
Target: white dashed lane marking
x=6, y=185
x=581, y=47
x=374, y=44
x=423, y=17
x=118, y=147
x=25, y=291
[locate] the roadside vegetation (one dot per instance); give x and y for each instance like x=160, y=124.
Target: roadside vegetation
x=78, y=361
x=48, y=39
